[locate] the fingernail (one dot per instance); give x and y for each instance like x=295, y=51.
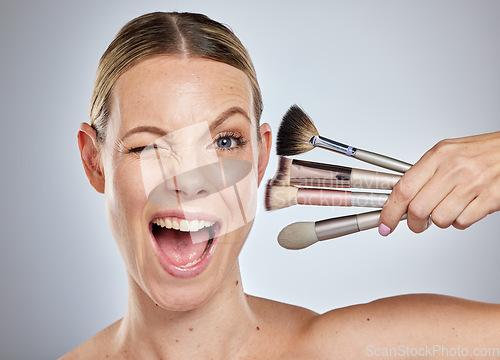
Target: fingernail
x=428, y=223
x=384, y=230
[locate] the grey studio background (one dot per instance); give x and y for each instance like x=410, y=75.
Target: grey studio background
x=390, y=76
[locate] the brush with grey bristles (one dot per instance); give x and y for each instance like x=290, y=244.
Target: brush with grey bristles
x=297, y=134
x=300, y=235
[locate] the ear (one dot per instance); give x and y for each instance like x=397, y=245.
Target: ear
x=265, y=149
x=89, y=151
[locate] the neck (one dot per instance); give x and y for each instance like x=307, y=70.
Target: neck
x=156, y=333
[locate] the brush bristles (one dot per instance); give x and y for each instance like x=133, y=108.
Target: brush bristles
x=298, y=235
x=279, y=197
x=282, y=176
x=294, y=133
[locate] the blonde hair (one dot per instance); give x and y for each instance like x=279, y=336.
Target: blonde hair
x=160, y=33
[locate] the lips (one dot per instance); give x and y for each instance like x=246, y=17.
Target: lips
x=184, y=243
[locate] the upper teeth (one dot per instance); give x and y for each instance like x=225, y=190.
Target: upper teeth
x=182, y=224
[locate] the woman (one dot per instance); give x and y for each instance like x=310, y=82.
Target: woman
x=176, y=147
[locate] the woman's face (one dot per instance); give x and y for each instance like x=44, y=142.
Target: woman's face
x=181, y=169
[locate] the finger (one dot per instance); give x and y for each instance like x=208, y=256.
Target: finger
x=452, y=206
x=427, y=200
x=475, y=211
x=403, y=193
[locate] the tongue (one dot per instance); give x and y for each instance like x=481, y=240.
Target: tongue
x=180, y=247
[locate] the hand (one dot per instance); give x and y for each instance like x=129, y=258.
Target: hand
x=456, y=183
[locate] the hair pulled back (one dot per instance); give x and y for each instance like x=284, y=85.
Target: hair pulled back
x=160, y=33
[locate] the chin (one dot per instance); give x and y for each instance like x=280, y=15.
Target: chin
x=182, y=300
x=179, y=293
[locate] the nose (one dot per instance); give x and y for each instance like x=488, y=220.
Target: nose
x=189, y=185
x=196, y=183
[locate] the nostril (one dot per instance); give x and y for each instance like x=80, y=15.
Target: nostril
x=187, y=193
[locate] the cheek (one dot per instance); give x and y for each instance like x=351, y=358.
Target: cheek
x=125, y=200
x=241, y=201
x=124, y=194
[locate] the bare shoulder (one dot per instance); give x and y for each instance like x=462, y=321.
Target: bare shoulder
x=281, y=328
x=98, y=346
x=278, y=312
x=404, y=323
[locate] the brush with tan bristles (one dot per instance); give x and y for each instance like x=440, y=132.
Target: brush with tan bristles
x=300, y=235
x=297, y=134
x=279, y=197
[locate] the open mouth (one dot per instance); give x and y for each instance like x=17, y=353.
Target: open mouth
x=185, y=244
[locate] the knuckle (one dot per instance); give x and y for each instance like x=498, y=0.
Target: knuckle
x=416, y=210
x=403, y=191
x=440, y=149
x=452, y=156
x=444, y=147
x=440, y=220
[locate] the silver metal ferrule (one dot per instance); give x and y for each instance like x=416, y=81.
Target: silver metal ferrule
x=345, y=225
x=329, y=144
x=368, y=220
x=336, y=227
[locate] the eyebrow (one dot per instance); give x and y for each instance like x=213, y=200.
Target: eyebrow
x=149, y=129
x=220, y=119
x=227, y=114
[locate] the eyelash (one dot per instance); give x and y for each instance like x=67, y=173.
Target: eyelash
x=237, y=137
x=141, y=148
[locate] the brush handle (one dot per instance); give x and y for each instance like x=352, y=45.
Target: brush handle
x=363, y=155
x=366, y=179
x=308, y=173
x=381, y=160
x=326, y=197
x=345, y=225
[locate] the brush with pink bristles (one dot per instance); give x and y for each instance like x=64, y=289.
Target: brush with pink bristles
x=308, y=173
x=279, y=197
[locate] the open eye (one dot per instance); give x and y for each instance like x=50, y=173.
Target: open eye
x=226, y=142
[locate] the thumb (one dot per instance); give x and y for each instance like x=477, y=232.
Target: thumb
x=401, y=196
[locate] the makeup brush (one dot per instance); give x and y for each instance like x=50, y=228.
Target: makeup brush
x=300, y=235
x=297, y=134
x=308, y=173
x=279, y=197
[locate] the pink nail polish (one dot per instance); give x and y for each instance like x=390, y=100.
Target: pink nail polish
x=384, y=230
